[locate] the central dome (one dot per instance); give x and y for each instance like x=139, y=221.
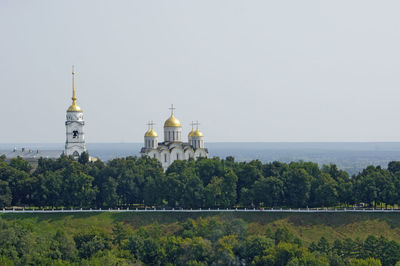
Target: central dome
x=172, y=122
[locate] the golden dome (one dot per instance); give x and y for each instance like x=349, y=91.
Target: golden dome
x=191, y=133
x=172, y=122
x=151, y=133
x=74, y=108
x=197, y=133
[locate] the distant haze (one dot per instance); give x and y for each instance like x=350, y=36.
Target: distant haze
x=247, y=70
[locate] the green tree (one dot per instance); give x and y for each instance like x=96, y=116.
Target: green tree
x=48, y=189
x=192, y=196
x=324, y=191
x=20, y=164
x=365, y=262
x=254, y=246
x=206, y=169
x=83, y=158
x=268, y=192
x=225, y=250
x=297, y=187
x=77, y=187
x=323, y=245
x=62, y=247
x=282, y=234
x=196, y=249
x=5, y=194
x=90, y=242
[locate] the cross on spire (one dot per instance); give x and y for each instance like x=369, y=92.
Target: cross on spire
x=196, y=124
x=172, y=109
x=150, y=124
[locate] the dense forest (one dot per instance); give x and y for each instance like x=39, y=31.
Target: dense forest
x=205, y=183
x=202, y=241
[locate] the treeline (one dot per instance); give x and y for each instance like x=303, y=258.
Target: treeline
x=206, y=241
x=205, y=183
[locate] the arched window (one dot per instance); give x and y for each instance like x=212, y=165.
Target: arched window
x=165, y=157
x=177, y=156
x=75, y=154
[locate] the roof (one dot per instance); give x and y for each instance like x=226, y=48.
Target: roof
x=32, y=154
x=170, y=146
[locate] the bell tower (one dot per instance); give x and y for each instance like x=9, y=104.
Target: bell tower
x=75, y=136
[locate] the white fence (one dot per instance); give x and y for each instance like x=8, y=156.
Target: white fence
x=148, y=210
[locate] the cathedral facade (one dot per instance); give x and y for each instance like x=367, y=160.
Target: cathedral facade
x=173, y=148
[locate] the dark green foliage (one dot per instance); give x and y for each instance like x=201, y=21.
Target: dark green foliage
x=84, y=158
x=5, y=194
x=297, y=187
x=283, y=235
x=62, y=247
x=204, y=241
x=254, y=246
x=205, y=183
x=90, y=242
x=20, y=164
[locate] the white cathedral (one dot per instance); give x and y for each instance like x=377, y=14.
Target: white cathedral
x=173, y=148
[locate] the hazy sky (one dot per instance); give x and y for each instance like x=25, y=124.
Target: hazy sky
x=247, y=70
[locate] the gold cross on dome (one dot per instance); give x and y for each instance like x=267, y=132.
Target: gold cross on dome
x=196, y=124
x=172, y=109
x=150, y=124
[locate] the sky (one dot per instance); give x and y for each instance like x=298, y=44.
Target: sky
x=273, y=71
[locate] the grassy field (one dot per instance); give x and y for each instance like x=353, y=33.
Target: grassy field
x=309, y=227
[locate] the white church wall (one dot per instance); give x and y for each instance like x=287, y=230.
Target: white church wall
x=177, y=154
x=189, y=154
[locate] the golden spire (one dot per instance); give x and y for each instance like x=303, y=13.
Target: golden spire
x=74, y=107
x=73, y=87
